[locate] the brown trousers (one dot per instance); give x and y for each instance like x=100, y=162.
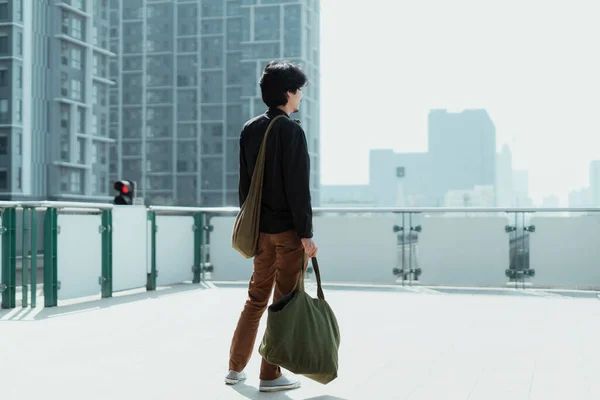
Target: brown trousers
x=278, y=262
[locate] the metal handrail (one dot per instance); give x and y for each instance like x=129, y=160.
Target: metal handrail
x=67, y=205
x=192, y=210
x=10, y=204
x=384, y=210
x=234, y=210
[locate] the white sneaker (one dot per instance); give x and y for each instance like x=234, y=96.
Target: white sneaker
x=279, y=384
x=235, y=377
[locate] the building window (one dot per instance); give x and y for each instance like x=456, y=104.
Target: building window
x=20, y=43
x=19, y=139
x=266, y=25
x=102, y=65
x=104, y=9
x=64, y=84
x=19, y=178
x=76, y=182
x=3, y=43
x=20, y=77
x=102, y=95
x=95, y=35
x=64, y=147
x=3, y=77
x=76, y=89
x=94, y=159
x=64, y=116
x=4, y=110
x=79, y=4
x=3, y=10
x=94, y=124
x=76, y=55
x=80, y=120
x=4, y=179
x=103, y=36
x=64, y=53
x=77, y=28
x=94, y=182
x=103, y=125
x=95, y=62
x=81, y=150
x=95, y=94
x=99, y=155
x=64, y=179
x=65, y=22
x=19, y=110
x=102, y=180
x=19, y=5
x=3, y=145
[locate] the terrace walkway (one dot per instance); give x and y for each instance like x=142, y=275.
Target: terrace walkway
x=413, y=343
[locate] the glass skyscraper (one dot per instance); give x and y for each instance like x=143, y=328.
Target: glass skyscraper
x=187, y=76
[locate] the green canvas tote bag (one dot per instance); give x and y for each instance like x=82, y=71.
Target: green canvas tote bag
x=302, y=333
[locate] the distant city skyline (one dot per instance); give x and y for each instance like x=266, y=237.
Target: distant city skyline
x=538, y=80
x=461, y=167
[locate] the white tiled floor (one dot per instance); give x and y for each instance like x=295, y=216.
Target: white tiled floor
x=174, y=345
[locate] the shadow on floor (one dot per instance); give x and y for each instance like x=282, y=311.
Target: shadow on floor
x=446, y=290
x=252, y=393
x=92, y=303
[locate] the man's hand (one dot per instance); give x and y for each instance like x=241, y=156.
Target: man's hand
x=310, y=247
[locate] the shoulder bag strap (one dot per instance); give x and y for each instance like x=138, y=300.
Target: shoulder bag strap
x=257, y=175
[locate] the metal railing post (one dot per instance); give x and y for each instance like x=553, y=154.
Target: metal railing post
x=517, y=261
x=151, y=281
x=410, y=248
x=9, y=259
x=198, y=246
x=50, y=257
x=106, y=280
x=25, y=260
x=403, y=247
x=33, y=270
x=203, y=245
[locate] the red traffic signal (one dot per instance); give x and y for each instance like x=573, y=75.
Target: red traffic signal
x=126, y=192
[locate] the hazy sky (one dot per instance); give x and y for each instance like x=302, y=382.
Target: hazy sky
x=533, y=64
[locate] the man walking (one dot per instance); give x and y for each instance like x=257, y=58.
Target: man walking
x=286, y=214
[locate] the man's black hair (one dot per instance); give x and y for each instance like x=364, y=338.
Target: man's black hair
x=280, y=77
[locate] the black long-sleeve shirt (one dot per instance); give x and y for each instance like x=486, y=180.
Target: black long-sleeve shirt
x=286, y=201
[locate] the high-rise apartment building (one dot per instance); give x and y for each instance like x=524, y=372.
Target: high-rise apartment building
x=12, y=56
x=187, y=79
x=53, y=99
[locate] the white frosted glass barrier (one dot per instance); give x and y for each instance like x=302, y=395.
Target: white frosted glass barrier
x=465, y=251
x=79, y=255
x=351, y=249
x=564, y=251
x=229, y=265
x=174, y=249
x=129, y=247
x=355, y=248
